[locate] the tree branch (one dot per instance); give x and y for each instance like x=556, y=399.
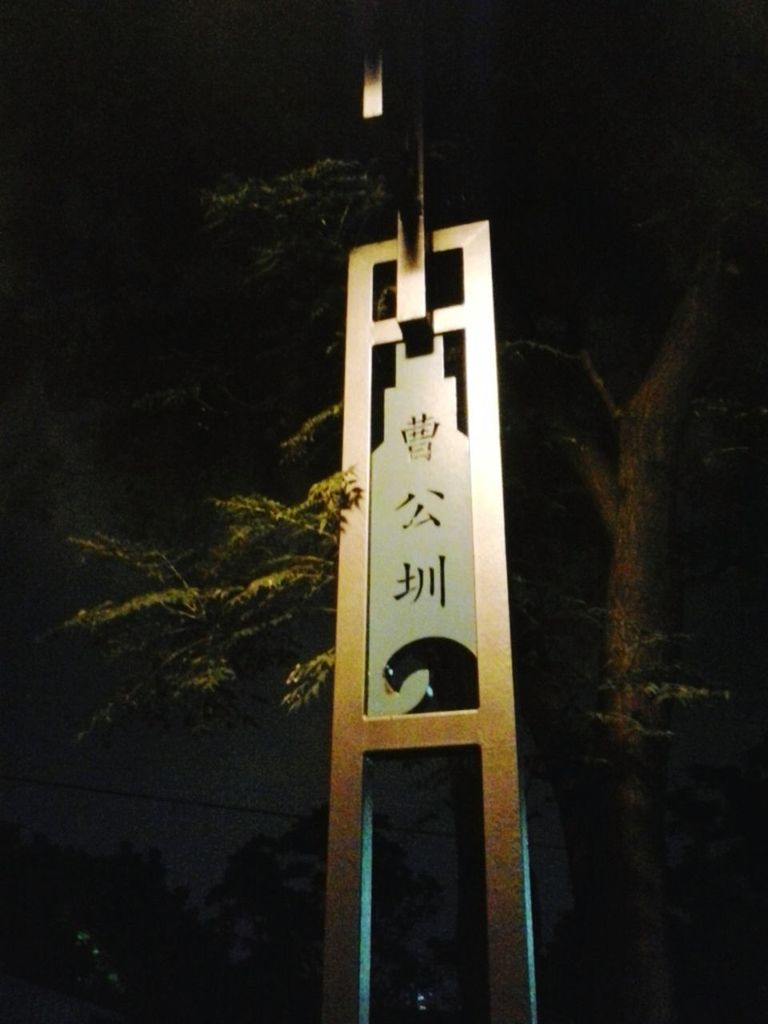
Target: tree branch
x=599, y=478
x=664, y=393
x=600, y=386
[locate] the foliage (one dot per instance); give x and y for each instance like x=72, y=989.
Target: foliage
x=108, y=929
x=287, y=232
x=260, y=593
x=253, y=591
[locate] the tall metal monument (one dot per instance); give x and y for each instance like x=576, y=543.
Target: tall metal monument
x=423, y=656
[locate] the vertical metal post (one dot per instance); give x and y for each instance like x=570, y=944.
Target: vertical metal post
x=490, y=726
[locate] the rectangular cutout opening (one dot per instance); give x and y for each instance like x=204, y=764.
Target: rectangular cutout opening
x=445, y=278
x=428, y=950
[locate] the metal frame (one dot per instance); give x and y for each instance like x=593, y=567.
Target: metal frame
x=490, y=727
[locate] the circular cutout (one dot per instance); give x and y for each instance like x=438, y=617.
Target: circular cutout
x=452, y=668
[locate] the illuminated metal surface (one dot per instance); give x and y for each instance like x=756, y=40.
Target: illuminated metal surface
x=373, y=87
x=490, y=726
x=421, y=571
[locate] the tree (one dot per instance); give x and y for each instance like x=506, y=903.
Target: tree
x=605, y=683
x=108, y=929
x=270, y=910
x=616, y=846
x=720, y=945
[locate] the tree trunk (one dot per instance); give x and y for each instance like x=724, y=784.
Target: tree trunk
x=613, y=807
x=628, y=918
x=628, y=912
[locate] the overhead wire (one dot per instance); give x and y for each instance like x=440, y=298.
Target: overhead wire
x=215, y=805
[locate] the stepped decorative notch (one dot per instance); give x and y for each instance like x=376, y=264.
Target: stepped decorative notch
x=423, y=654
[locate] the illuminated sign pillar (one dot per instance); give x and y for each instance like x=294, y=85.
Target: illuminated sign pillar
x=422, y=586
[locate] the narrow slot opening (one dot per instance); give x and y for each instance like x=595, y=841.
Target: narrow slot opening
x=384, y=290
x=382, y=377
x=445, y=278
x=454, y=360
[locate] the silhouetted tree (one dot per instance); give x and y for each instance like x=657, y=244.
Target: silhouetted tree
x=270, y=909
x=719, y=891
x=107, y=928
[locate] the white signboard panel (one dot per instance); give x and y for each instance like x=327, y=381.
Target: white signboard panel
x=421, y=578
